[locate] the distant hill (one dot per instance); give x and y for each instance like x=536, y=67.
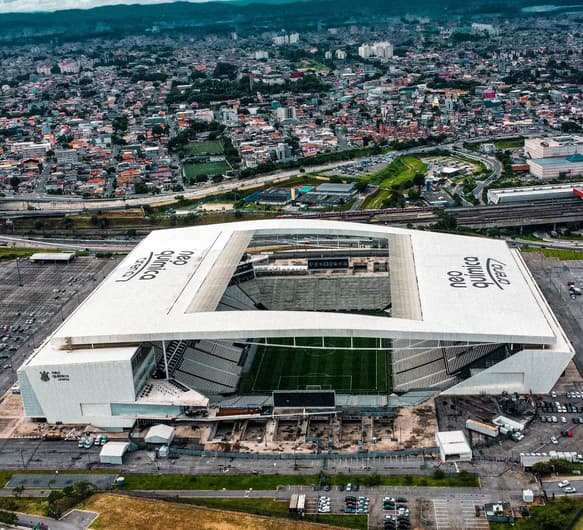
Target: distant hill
x=216, y=16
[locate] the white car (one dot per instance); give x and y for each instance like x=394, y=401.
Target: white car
x=554, y=440
x=563, y=483
x=570, y=489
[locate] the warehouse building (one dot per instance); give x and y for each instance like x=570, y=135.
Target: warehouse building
x=532, y=193
x=558, y=167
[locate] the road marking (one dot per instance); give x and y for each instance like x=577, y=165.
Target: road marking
x=440, y=511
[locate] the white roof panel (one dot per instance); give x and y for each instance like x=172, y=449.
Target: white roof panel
x=114, y=449
x=469, y=289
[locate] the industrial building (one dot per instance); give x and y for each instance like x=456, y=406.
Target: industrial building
x=158, y=339
x=532, y=193
x=558, y=167
x=453, y=446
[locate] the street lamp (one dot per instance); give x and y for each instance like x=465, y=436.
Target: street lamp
x=20, y=284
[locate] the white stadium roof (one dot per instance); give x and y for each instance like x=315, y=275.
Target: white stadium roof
x=168, y=287
x=442, y=287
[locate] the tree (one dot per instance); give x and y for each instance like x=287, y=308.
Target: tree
x=8, y=518
x=14, y=182
x=419, y=179
x=65, y=139
x=140, y=188
x=120, y=123
x=447, y=221
x=18, y=491
x=438, y=474
x=225, y=69
x=157, y=131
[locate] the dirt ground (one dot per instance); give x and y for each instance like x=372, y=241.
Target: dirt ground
x=118, y=511
x=11, y=414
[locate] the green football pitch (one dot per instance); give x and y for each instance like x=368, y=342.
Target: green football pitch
x=283, y=367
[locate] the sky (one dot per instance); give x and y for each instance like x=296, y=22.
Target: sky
x=27, y=6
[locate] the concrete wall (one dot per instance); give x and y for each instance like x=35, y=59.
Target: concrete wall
x=81, y=392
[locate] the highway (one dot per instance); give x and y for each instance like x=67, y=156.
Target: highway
x=94, y=245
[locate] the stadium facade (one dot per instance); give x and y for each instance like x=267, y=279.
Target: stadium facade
x=177, y=324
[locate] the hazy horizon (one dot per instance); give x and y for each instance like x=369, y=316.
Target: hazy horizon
x=37, y=6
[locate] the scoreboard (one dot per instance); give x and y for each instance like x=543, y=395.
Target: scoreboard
x=315, y=264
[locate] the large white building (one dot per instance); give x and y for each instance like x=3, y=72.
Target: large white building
x=170, y=328
x=556, y=167
x=553, y=147
x=380, y=50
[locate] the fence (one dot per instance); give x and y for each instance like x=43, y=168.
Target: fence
x=429, y=452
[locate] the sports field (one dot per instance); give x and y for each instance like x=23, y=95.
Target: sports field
x=210, y=169
x=303, y=368
x=212, y=147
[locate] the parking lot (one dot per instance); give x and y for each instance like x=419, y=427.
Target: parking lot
x=34, y=299
x=553, y=277
x=428, y=508
x=365, y=166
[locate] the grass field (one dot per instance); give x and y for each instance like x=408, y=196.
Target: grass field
x=33, y=505
x=271, y=482
x=205, y=148
x=9, y=253
x=210, y=169
x=118, y=511
x=346, y=371
x=561, y=254
x=399, y=172
x=513, y=143
x=374, y=201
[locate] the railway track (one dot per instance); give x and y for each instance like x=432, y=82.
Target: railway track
x=522, y=214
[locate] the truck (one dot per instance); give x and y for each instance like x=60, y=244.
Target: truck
x=482, y=428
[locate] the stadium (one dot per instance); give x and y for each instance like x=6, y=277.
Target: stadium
x=312, y=313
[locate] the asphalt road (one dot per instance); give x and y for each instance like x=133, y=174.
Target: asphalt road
x=29, y=521
x=552, y=487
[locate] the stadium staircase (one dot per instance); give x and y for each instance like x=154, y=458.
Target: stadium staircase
x=174, y=353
